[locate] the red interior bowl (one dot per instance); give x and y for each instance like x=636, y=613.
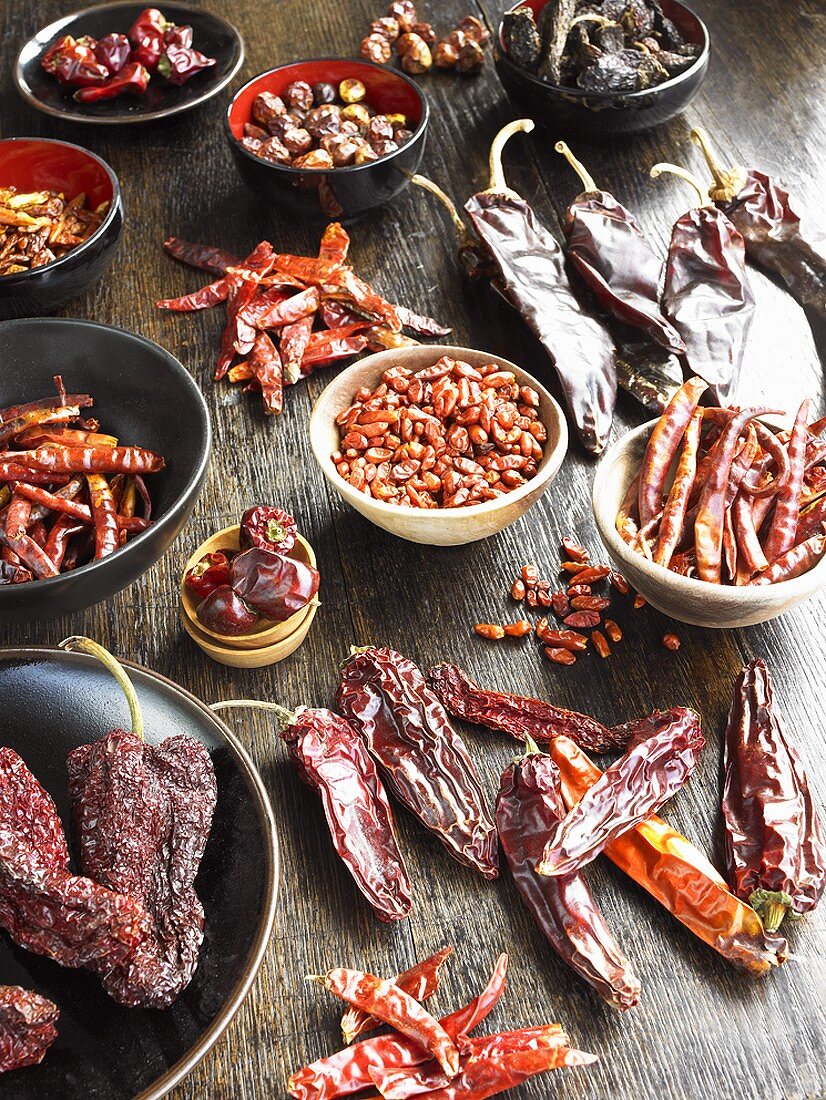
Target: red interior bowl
x=387, y=92
x=32, y=164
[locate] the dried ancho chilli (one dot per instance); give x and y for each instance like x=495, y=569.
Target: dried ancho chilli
x=27, y=1027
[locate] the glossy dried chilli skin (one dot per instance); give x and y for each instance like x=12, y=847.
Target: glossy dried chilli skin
x=516, y=715
x=27, y=1027
x=652, y=769
x=420, y=755
x=774, y=841
x=662, y=446
x=677, y=875
x=529, y=805
x=420, y=980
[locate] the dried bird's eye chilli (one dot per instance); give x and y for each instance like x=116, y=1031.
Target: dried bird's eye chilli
x=421, y=981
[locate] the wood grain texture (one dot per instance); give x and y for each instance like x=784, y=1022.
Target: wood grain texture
x=701, y=1029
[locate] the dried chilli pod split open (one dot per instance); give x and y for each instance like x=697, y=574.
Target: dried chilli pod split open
x=420, y=980
x=421, y=757
x=142, y=813
x=615, y=259
x=775, y=843
x=764, y=213
x=653, y=769
x=331, y=758
x=517, y=715
x=348, y=1070
x=677, y=875
x=392, y=1006
x=27, y=1027
x=528, y=808
x=531, y=272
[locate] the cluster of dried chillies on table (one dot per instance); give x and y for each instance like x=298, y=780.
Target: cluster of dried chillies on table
x=275, y=302
x=417, y=45
x=446, y=436
x=142, y=814
x=59, y=506
x=116, y=64
x=747, y=503
x=38, y=227
x=260, y=581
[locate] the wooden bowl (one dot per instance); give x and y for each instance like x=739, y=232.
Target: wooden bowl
x=683, y=598
x=264, y=633
x=251, y=658
x=437, y=526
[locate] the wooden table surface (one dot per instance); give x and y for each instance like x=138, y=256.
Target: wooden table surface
x=701, y=1029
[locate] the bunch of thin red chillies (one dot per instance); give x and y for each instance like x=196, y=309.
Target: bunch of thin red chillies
x=58, y=507
x=747, y=503
x=273, y=302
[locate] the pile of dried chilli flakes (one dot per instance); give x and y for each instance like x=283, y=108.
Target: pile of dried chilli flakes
x=39, y=227
x=276, y=300
x=747, y=504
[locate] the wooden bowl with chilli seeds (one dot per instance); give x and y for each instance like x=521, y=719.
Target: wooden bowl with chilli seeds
x=686, y=599
x=436, y=526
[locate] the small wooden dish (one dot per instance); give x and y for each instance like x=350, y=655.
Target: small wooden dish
x=265, y=634
x=251, y=658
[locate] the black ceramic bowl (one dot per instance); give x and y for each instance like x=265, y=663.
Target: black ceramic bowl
x=579, y=113
x=54, y=701
x=348, y=192
x=144, y=397
x=32, y=164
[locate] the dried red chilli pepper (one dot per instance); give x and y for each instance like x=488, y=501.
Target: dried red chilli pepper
x=677, y=875
x=142, y=815
x=293, y=345
x=531, y=271
x=421, y=981
x=147, y=36
x=331, y=759
x=13, y=536
x=615, y=259
x=180, y=63
x=707, y=295
x=27, y=1027
x=516, y=715
x=781, y=536
x=662, y=446
x=420, y=755
x=393, y=1006
x=528, y=807
x=286, y=312
x=764, y=213
x=268, y=528
x=104, y=515
x=113, y=51
x=269, y=373
x=653, y=768
x=84, y=460
x=132, y=78
x=335, y=244
x=775, y=843
x=273, y=585
x=676, y=505
x=57, y=542
x=348, y=1071
x=323, y=348
x=74, y=63
x=204, y=257
x=61, y=414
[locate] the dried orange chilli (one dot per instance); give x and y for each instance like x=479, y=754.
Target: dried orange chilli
x=492, y=631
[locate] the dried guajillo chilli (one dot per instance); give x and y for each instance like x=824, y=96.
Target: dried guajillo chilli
x=516, y=715
x=421, y=981
x=421, y=757
x=331, y=759
x=43, y=907
x=27, y=1027
x=348, y=1070
x=711, y=507
x=615, y=259
x=794, y=562
x=531, y=272
x=662, y=446
x=775, y=844
x=528, y=808
x=764, y=213
x=676, y=505
x=707, y=295
x=677, y=875
x=781, y=536
x=84, y=460
x=142, y=815
x=650, y=772
x=490, y=1064
x=393, y=1006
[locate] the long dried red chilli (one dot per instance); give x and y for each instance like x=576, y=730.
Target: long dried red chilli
x=420, y=980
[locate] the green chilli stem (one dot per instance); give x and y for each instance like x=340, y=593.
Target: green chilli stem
x=772, y=906
x=79, y=644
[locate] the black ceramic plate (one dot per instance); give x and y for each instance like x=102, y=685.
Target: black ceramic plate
x=53, y=701
x=212, y=36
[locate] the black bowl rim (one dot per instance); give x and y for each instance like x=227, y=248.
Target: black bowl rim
x=607, y=97
x=71, y=115
x=387, y=159
x=116, y=205
x=213, y=1033
x=171, y=516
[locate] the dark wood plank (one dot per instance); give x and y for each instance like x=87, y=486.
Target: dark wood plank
x=701, y=1029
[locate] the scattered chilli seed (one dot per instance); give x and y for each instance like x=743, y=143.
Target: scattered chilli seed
x=612, y=630
x=600, y=643
x=671, y=641
x=560, y=656
x=491, y=631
